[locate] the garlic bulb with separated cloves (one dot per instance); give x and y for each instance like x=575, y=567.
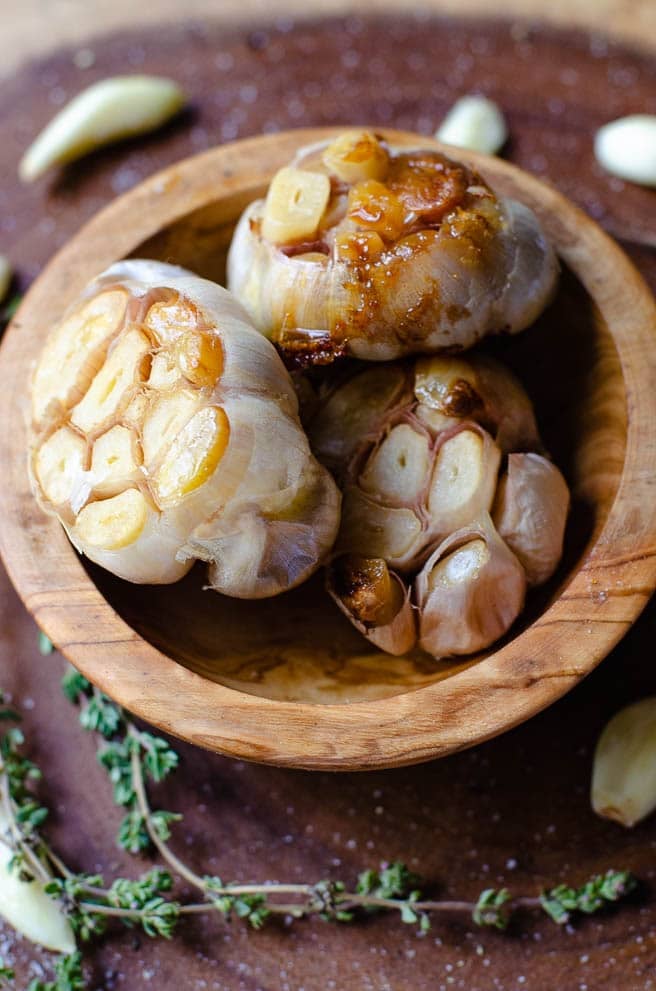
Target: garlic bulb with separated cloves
x=418, y=449
x=166, y=429
x=380, y=252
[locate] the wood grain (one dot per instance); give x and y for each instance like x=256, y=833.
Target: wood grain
x=611, y=562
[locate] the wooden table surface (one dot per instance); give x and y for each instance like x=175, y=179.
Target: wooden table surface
x=514, y=811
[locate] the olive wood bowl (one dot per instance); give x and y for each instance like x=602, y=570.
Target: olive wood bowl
x=287, y=681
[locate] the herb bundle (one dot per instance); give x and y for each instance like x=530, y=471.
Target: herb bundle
x=135, y=758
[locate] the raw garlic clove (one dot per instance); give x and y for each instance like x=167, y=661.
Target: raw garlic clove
x=627, y=148
x=624, y=768
x=107, y=111
x=375, y=600
x=476, y=123
x=294, y=205
x=530, y=514
x=28, y=909
x=469, y=592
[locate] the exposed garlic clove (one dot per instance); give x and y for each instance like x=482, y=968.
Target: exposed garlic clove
x=469, y=592
x=112, y=524
x=375, y=600
x=397, y=471
x=28, y=909
x=6, y=276
x=149, y=468
x=624, y=768
x=476, y=123
x=627, y=148
x=294, y=205
x=449, y=386
x=115, y=462
x=74, y=352
x=111, y=388
x=530, y=514
x=370, y=529
x=355, y=156
x=353, y=412
x=60, y=466
x=464, y=480
x=107, y=111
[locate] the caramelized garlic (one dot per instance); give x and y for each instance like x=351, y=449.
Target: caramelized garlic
x=165, y=429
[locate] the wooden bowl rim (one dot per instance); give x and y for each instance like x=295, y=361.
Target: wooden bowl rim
x=522, y=677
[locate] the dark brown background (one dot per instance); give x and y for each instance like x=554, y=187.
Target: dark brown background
x=515, y=811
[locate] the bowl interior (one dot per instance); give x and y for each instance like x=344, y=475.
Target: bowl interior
x=298, y=646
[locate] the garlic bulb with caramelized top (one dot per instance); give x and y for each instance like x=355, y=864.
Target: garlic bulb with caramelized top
x=417, y=449
x=165, y=429
x=380, y=252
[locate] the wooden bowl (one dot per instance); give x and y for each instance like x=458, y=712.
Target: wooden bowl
x=288, y=681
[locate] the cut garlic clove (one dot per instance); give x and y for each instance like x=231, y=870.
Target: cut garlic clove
x=447, y=385
x=6, y=275
x=114, y=462
x=126, y=365
x=353, y=412
x=165, y=418
x=193, y=456
x=60, y=465
x=530, y=514
x=200, y=358
x=112, y=524
x=294, y=205
x=28, y=909
x=624, y=769
x=107, y=111
x=627, y=148
x=397, y=471
x=476, y=123
x=469, y=592
x=355, y=156
x=75, y=351
x=464, y=480
x=167, y=320
x=375, y=600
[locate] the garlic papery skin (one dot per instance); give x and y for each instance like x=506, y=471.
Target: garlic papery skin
x=624, y=767
x=107, y=111
x=414, y=253
x=469, y=592
x=475, y=123
x=26, y=906
x=530, y=513
x=166, y=429
x=627, y=148
x=375, y=600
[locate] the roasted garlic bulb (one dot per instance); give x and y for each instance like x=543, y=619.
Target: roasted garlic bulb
x=444, y=522
x=165, y=429
x=381, y=252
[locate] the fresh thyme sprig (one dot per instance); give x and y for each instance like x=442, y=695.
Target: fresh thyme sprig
x=133, y=757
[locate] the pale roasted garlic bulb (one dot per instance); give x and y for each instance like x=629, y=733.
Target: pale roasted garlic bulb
x=165, y=429
x=433, y=548
x=379, y=252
